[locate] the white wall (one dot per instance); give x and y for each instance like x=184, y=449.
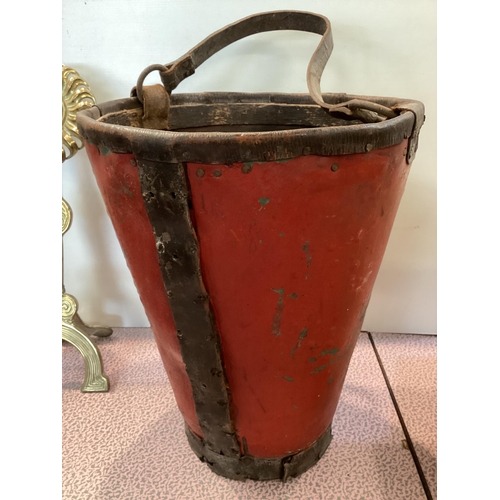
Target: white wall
x=387, y=47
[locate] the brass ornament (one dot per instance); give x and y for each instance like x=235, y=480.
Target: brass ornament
x=76, y=95
x=95, y=380
x=66, y=216
x=69, y=306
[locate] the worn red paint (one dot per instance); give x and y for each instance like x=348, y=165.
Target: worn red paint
x=289, y=255
x=119, y=184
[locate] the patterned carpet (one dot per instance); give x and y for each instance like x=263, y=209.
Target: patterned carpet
x=129, y=443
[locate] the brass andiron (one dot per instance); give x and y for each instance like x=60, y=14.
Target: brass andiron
x=76, y=96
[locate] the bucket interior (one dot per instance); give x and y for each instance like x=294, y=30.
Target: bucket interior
x=237, y=117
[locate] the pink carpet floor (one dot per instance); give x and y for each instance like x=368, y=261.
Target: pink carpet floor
x=129, y=443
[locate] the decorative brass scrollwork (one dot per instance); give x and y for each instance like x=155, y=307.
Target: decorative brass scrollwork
x=66, y=216
x=76, y=96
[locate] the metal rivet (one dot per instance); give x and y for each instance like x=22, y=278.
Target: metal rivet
x=306, y=150
x=369, y=147
x=133, y=162
x=200, y=172
x=335, y=167
x=217, y=173
x=246, y=169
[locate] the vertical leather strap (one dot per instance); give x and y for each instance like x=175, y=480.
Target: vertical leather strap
x=165, y=192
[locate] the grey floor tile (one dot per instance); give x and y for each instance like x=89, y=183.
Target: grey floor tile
x=410, y=364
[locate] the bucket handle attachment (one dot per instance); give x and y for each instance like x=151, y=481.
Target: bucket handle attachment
x=173, y=73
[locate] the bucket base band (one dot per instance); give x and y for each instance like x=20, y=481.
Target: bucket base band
x=260, y=469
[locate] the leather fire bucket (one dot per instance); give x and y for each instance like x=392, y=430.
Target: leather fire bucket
x=254, y=226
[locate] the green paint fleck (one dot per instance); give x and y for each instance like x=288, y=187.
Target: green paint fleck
x=302, y=336
x=276, y=326
x=260, y=241
x=283, y=161
x=263, y=202
x=289, y=379
x=321, y=368
x=295, y=407
x=281, y=235
x=305, y=248
x=313, y=360
x=330, y=380
x=294, y=296
x=104, y=151
x=330, y=352
x=126, y=191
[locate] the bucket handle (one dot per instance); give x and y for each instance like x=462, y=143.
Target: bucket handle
x=173, y=73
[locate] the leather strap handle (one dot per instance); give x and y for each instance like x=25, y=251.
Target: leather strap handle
x=173, y=73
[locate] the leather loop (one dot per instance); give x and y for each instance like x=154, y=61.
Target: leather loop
x=156, y=105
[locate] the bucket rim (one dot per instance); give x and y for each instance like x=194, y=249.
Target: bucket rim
x=233, y=147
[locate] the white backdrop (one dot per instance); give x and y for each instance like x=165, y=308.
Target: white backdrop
x=385, y=48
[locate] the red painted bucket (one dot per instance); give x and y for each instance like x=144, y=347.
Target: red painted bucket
x=254, y=226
